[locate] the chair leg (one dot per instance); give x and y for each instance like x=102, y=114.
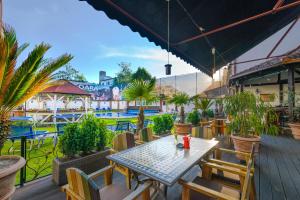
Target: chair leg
x=253, y=190
x=185, y=193
x=128, y=179
x=206, y=172
x=146, y=194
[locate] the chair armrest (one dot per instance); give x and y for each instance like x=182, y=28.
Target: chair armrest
x=68, y=191
x=156, y=136
x=112, y=151
x=139, y=191
x=206, y=191
x=226, y=169
x=229, y=164
x=246, y=155
x=139, y=142
x=100, y=172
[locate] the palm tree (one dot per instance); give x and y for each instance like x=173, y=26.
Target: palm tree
x=18, y=84
x=142, y=91
x=180, y=99
x=204, y=105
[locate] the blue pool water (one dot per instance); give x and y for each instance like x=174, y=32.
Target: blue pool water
x=121, y=114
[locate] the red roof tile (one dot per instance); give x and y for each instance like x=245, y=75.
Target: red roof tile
x=65, y=87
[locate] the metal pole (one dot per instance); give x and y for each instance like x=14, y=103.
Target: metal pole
x=291, y=92
x=23, y=154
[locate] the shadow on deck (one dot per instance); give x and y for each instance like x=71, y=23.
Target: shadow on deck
x=277, y=175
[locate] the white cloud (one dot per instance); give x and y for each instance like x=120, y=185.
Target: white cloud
x=154, y=58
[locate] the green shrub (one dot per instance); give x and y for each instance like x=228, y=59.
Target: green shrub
x=84, y=137
x=68, y=142
x=209, y=113
x=167, y=121
x=102, y=134
x=162, y=123
x=158, y=126
x=88, y=132
x=194, y=117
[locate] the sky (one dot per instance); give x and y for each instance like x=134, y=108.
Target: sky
x=96, y=42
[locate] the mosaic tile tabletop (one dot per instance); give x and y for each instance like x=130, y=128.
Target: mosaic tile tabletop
x=161, y=160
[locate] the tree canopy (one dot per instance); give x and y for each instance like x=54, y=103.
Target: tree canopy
x=124, y=76
x=70, y=73
x=141, y=74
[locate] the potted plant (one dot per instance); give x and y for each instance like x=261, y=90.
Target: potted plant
x=204, y=105
x=142, y=91
x=83, y=147
x=180, y=100
x=17, y=85
x=194, y=119
x=248, y=120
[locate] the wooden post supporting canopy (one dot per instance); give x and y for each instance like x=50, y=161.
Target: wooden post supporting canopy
x=291, y=91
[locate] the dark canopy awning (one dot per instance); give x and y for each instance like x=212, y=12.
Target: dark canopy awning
x=149, y=18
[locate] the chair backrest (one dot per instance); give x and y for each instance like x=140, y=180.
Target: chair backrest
x=20, y=131
x=81, y=185
x=146, y=122
x=60, y=128
x=146, y=135
x=123, y=141
x=122, y=126
x=247, y=183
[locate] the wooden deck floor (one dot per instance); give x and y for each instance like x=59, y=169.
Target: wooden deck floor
x=277, y=175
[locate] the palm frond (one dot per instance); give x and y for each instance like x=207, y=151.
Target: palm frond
x=23, y=75
x=8, y=58
x=139, y=90
x=180, y=99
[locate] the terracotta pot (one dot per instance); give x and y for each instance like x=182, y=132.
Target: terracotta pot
x=10, y=165
x=88, y=164
x=182, y=129
x=244, y=144
x=295, y=127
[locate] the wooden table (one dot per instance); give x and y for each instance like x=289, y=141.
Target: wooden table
x=161, y=160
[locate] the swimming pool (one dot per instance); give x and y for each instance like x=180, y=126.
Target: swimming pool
x=121, y=114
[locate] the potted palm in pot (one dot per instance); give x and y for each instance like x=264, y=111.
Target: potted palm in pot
x=250, y=117
x=180, y=100
x=204, y=105
x=18, y=84
x=142, y=91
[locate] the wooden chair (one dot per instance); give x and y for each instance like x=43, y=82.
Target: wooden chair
x=121, y=142
x=146, y=135
x=83, y=187
x=228, y=173
x=203, y=189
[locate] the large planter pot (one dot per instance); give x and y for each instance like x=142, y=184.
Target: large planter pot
x=295, y=127
x=244, y=144
x=9, y=166
x=182, y=129
x=88, y=164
